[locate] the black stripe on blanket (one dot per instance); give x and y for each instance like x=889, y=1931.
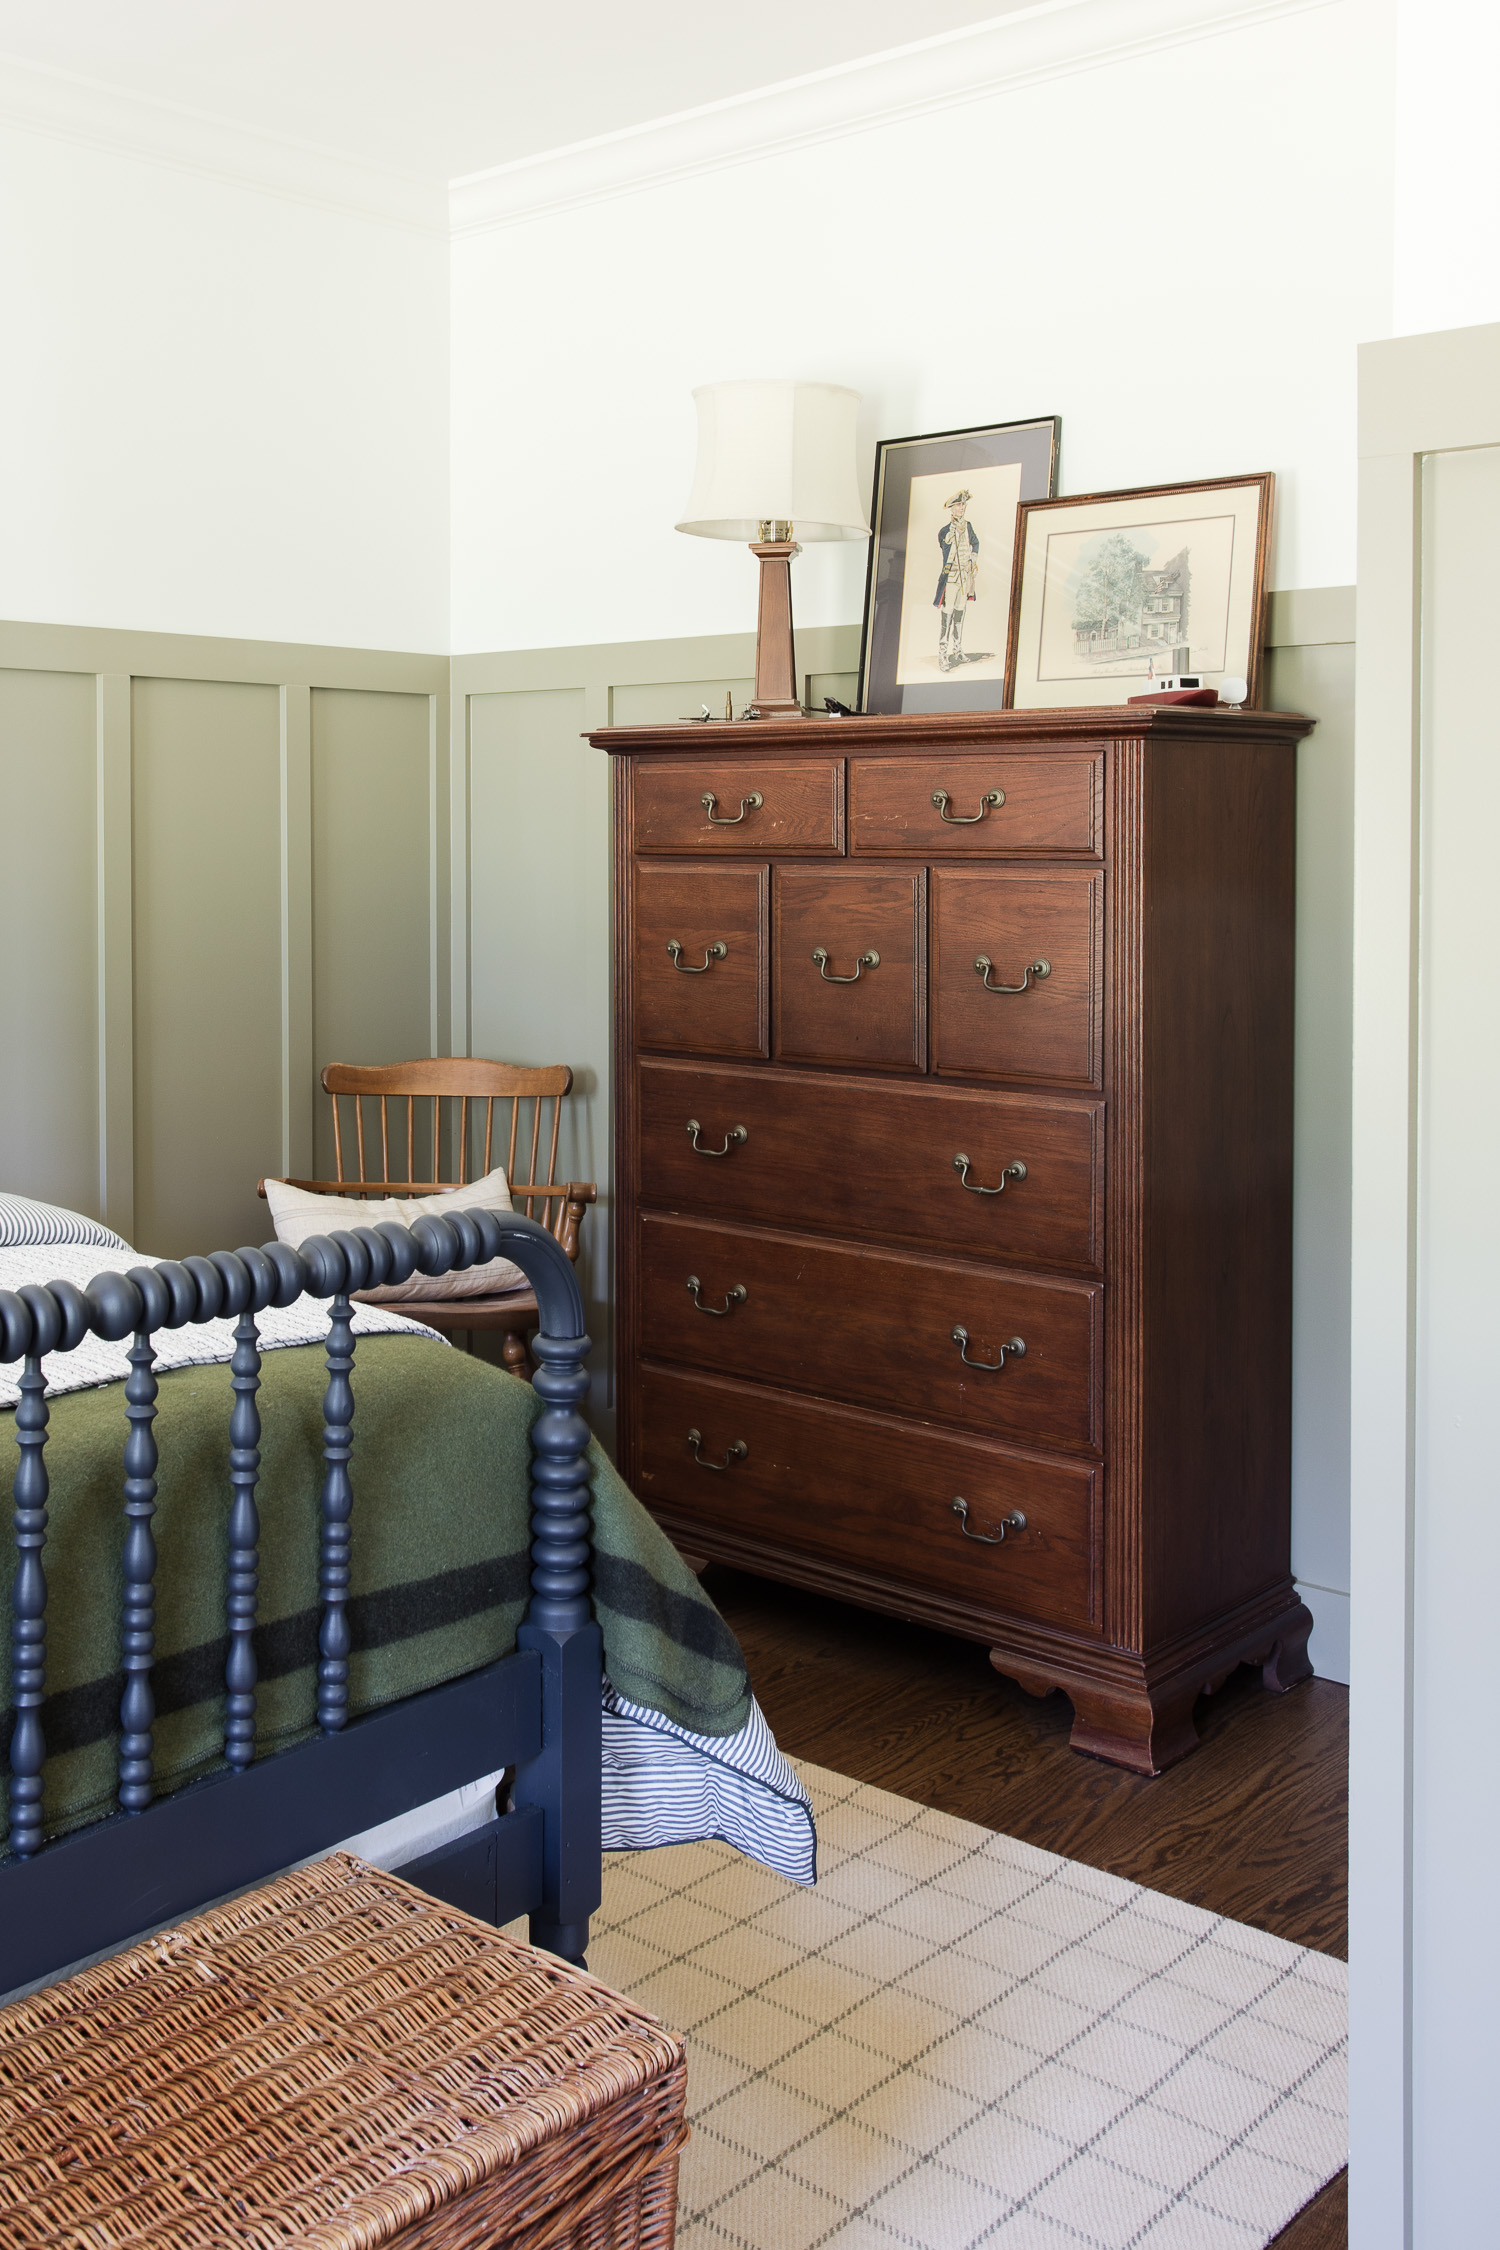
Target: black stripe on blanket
x=629, y=1589
x=75, y=1717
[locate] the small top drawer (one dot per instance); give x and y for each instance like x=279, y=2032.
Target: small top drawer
x=700, y=957
x=754, y=805
x=978, y=803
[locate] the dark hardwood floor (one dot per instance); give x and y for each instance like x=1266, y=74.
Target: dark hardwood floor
x=1252, y=1825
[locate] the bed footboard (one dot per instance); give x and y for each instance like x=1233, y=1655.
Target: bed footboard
x=538, y=1710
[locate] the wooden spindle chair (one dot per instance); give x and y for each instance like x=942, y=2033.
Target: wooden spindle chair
x=438, y=1104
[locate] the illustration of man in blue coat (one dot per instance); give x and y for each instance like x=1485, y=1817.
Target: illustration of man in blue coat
x=957, y=581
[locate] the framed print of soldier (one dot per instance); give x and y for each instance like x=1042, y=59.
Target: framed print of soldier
x=937, y=596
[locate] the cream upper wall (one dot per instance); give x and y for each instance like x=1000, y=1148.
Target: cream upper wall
x=223, y=409
x=225, y=397
x=1447, y=183
x=997, y=258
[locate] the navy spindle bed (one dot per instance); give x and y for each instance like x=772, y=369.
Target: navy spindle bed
x=537, y=1710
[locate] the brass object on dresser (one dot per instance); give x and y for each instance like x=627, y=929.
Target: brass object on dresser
x=996, y=1061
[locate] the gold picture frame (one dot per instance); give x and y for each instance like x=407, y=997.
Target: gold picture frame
x=1110, y=590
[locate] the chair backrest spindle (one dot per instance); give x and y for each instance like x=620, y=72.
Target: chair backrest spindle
x=556, y=1129
x=536, y=1135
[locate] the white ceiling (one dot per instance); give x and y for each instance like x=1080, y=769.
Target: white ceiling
x=449, y=87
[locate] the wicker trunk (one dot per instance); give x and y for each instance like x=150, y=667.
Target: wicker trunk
x=337, y=2061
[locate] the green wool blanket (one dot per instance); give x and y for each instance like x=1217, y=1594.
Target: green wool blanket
x=440, y=1536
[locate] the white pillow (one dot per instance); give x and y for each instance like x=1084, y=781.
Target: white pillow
x=298, y=1213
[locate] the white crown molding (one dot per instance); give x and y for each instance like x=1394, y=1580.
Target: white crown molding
x=1051, y=39
x=64, y=107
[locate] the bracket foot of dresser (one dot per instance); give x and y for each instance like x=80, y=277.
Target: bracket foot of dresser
x=1144, y=1722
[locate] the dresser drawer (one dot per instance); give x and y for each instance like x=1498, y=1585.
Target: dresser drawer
x=760, y=805
x=876, y=1328
x=1048, y=804
x=700, y=957
x=871, y=1493
x=849, y=967
x=1017, y=974
x=855, y=1156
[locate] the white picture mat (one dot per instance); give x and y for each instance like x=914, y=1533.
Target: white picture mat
x=1220, y=530
x=995, y=494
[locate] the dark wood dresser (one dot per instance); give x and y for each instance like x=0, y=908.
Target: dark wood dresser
x=954, y=1179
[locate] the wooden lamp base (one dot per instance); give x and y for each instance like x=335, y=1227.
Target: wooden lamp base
x=776, y=695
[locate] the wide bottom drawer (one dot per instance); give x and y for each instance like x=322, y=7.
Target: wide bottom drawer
x=872, y=1493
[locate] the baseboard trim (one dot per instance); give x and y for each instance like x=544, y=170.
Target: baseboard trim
x=1329, y=1644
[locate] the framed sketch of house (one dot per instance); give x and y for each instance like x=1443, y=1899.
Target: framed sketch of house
x=937, y=596
x=1113, y=590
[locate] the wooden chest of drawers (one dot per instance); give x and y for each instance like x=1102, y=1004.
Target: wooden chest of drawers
x=954, y=1115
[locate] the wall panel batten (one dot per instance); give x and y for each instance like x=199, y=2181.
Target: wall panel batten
x=297, y=1089
x=461, y=995
x=115, y=918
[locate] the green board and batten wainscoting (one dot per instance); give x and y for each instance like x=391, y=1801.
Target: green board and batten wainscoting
x=226, y=863
x=230, y=862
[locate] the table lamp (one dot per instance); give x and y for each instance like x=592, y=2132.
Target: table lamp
x=776, y=466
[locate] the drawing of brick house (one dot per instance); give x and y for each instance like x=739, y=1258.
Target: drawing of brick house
x=1123, y=608
x=1164, y=611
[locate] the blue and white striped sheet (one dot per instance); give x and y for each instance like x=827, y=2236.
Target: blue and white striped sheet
x=663, y=1785
x=25, y=1223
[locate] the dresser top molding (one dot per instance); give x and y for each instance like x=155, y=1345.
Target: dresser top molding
x=971, y=729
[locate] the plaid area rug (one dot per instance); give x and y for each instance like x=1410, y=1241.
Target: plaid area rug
x=957, y=2039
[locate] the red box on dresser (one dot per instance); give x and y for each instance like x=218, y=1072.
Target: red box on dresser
x=954, y=1180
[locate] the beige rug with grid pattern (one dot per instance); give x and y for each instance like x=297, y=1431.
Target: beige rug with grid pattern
x=957, y=2039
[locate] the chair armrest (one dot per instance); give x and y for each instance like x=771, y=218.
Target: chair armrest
x=580, y=1194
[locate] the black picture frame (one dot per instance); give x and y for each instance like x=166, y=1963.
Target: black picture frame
x=1033, y=445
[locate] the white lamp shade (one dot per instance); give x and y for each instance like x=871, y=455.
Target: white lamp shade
x=776, y=453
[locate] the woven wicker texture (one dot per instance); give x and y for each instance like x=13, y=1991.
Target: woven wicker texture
x=337, y=2061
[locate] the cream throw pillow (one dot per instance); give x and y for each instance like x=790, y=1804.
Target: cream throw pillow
x=298, y=1213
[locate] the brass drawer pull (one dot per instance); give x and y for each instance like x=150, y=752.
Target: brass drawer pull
x=983, y=965
x=870, y=960
x=1015, y=1349
x=992, y=800
x=1016, y=1171
x=732, y=1297
x=752, y=803
x=736, y=1451
x=735, y=1133
x=1015, y=1521
x=718, y=951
